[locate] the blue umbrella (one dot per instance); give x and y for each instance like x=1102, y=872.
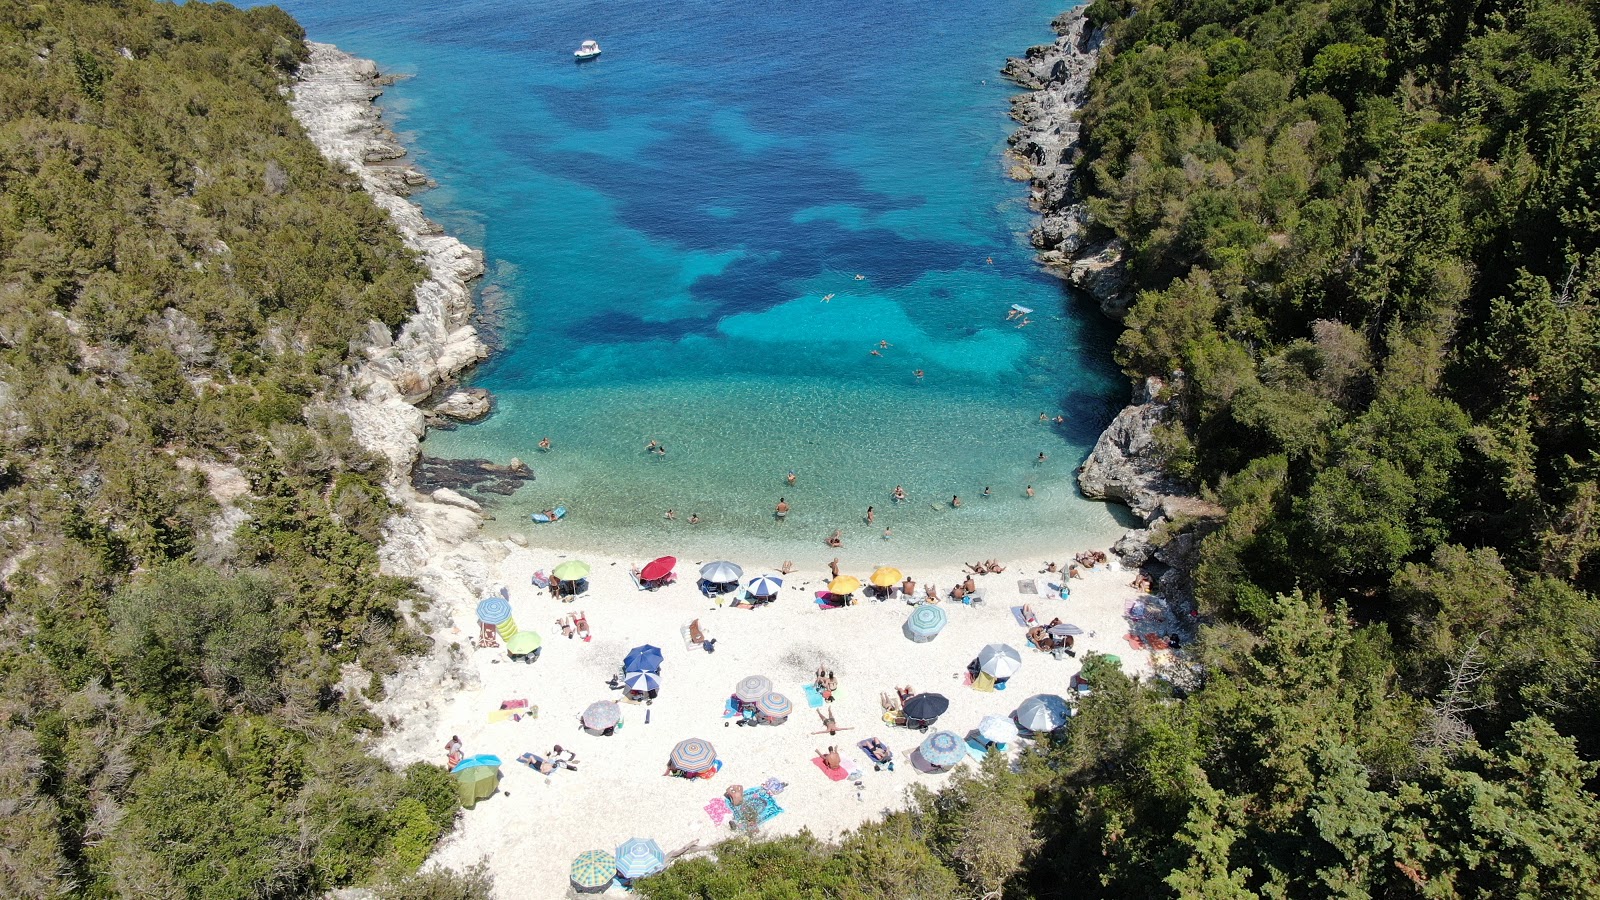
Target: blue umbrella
x=493, y=610
x=764, y=586
x=644, y=658
x=925, y=623
x=482, y=759
x=638, y=857
x=943, y=749
x=642, y=682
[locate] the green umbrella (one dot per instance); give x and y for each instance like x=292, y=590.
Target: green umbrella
x=523, y=642
x=593, y=871
x=477, y=783
x=571, y=570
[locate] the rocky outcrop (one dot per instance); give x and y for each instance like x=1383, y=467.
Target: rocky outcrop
x=1125, y=465
x=464, y=406
x=1045, y=150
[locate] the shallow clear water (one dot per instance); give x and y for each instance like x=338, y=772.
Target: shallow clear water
x=663, y=224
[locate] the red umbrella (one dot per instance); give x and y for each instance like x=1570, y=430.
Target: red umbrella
x=658, y=569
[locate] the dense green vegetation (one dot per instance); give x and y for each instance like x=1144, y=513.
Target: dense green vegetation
x=1366, y=234
x=181, y=275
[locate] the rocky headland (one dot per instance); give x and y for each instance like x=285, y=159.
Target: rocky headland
x=435, y=540
x=1125, y=465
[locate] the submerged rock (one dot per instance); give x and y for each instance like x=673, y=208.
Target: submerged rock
x=478, y=475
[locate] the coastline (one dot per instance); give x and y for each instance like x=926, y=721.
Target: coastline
x=1125, y=464
x=456, y=687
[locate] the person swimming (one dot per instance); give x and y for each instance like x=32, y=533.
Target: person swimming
x=899, y=493
x=918, y=373
x=544, y=444
x=828, y=297
x=790, y=477
x=956, y=501
x=986, y=491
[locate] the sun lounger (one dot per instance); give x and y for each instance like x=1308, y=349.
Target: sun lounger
x=540, y=579
x=696, y=636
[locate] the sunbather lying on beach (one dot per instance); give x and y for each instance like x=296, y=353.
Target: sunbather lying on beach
x=879, y=751
x=537, y=763
x=831, y=758
x=932, y=593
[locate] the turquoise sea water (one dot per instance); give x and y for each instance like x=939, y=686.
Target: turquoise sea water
x=663, y=224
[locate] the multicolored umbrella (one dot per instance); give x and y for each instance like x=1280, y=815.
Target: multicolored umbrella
x=657, y=569
x=999, y=729
x=844, y=584
x=999, y=660
x=925, y=623
x=642, y=682
x=694, y=755
x=774, y=704
x=643, y=658
x=764, y=586
x=721, y=572
x=886, y=576
x=1042, y=713
x=571, y=570
x=523, y=642
x=943, y=749
x=593, y=871
x=493, y=610
x=602, y=714
x=925, y=706
x=638, y=857
x=752, y=687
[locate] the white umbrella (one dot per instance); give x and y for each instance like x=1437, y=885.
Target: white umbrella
x=721, y=572
x=999, y=660
x=1042, y=713
x=999, y=729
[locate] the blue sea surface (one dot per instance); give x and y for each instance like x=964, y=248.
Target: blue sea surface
x=701, y=238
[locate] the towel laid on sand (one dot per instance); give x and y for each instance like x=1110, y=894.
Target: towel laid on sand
x=1027, y=586
x=813, y=696
x=839, y=774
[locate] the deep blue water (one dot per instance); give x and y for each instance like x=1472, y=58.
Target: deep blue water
x=663, y=224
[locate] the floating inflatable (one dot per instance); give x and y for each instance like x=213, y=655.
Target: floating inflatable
x=542, y=518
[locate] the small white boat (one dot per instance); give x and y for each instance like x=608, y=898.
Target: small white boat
x=587, y=50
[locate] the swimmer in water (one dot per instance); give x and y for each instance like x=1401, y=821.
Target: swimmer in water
x=670, y=515
x=827, y=298
x=1042, y=457
x=876, y=353
x=694, y=518
x=899, y=493
x=651, y=447
x=986, y=491
x=884, y=345
x=1025, y=321
x=790, y=477
x=544, y=444
x=783, y=508
x=1030, y=490
x=956, y=501
x=869, y=515
x=860, y=277
x=918, y=373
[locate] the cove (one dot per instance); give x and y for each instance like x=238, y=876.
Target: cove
x=674, y=233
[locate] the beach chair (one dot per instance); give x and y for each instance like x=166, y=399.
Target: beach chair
x=696, y=636
x=540, y=579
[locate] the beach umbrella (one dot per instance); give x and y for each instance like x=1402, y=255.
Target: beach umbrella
x=642, y=682
x=476, y=783
x=593, y=871
x=571, y=570
x=925, y=623
x=694, y=755
x=926, y=706
x=523, y=642
x=764, y=586
x=999, y=660
x=602, y=714
x=1042, y=712
x=638, y=857
x=493, y=610
x=999, y=729
x=886, y=576
x=774, y=704
x=752, y=687
x=643, y=658
x=721, y=572
x=658, y=568
x=943, y=749
x=482, y=759
x=1065, y=630
x=844, y=584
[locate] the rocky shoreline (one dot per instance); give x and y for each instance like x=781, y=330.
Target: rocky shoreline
x=1124, y=465
x=435, y=540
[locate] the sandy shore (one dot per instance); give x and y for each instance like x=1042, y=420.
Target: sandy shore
x=532, y=830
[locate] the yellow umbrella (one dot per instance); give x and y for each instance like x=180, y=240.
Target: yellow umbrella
x=844, y=584
x=887, y=576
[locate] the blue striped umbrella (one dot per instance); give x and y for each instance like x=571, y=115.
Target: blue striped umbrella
x=764, y=586
x=641, y=681
x=593, y=871
x=493, y=610
x=943, y=749
x=638, y=857
x=643, y=658
x=774, y=704
x=694, y=755
x=925, y=623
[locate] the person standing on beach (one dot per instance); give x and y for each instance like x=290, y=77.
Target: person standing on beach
x=1030, y=490
x=783, y=508
x=869, y=515
x=833, y=566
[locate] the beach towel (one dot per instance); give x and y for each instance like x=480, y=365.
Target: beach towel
x=1134, y=641
x=1016, y=612
x=1027, y=586
x=774, y=786
x=838, y=774
x=718, y=810
x=500, y=715
x=824, y=601
x=976, y=749
x=984, y=683
x=758, y=807
x=852, y=767
x=1156, y=642
x=813, y=696
x=730, y=708
x=540, y=579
